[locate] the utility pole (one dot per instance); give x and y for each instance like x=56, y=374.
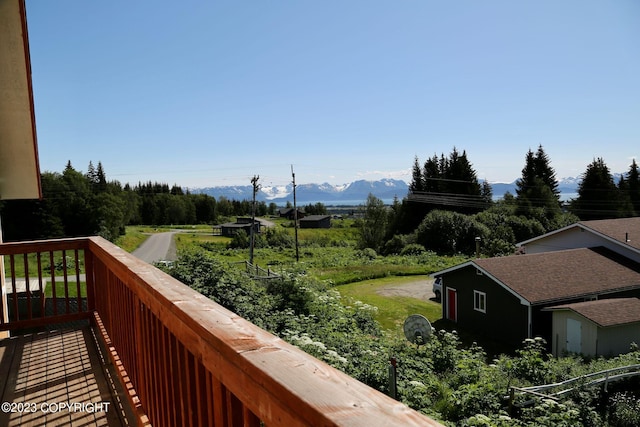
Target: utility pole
x=295, y=213
x=256, y=186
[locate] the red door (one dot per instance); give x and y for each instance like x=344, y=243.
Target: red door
x=452, y=304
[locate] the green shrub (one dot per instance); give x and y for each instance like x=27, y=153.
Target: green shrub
x=624, y=410
x=240, y=240
x=413, y=249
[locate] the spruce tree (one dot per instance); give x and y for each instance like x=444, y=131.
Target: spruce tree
x=545, y=172
x=598, y=196
x=101, y=178
x=625, y=207
x=633, y=184
x=432, y=174
x=416, y=177
x=538, y=187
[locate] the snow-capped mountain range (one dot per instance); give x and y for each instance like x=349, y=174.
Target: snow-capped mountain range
x=354, y=193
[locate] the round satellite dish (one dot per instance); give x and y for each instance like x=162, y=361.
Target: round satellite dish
x=417, y=329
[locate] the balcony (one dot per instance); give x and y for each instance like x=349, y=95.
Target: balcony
x=92, y=325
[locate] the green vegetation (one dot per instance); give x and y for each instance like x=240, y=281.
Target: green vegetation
x=72, y=291
x=46, y=262
x=455, y=383
x=392, y=310
x=131, y=240
x=329, y=303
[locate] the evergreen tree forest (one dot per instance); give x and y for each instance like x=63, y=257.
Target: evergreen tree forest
x=447, y=208
x=82, y=204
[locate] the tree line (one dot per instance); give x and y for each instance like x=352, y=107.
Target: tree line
x=83, y=204
x=444, y=192
x=447, y=207
x=80, y=204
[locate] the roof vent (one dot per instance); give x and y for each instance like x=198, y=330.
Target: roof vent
x=626, y=237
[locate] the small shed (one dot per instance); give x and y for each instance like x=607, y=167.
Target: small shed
x=231, y=228
x=604, y=327
x=316, y=221
x=289, y=213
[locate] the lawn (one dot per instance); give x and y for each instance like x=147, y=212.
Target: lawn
x=72, y=289
x=392, y=310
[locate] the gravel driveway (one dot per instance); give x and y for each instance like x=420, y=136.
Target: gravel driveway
x=420, y=289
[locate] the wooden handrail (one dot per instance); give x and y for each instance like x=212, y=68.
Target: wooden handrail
x=188, y=361
x=27, y=279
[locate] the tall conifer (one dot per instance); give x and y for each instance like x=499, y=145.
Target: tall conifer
x=597, y=193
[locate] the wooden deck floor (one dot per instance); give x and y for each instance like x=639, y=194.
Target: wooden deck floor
x=58, y=378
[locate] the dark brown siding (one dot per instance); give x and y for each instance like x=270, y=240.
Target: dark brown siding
x=505, y=319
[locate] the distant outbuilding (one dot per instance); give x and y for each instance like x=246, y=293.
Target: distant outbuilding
x=289, y=213
x=316, y=221
x=231, y=228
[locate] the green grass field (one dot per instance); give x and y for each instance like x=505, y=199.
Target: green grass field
x=330, y=255
x=392, y=310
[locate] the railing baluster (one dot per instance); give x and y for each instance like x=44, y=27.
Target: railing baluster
x=219, y=402
x=235, y=409
x=182, y=379
x=27, y=286
x=79, y=296
x=200, y=392
x=66, y=280
x=166, y=402
x=16, y=315
x=212, y=411
x=54, y=292
x=41, y=285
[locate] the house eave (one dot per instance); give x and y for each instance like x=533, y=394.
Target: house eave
x=522, y=300
x=19, y=164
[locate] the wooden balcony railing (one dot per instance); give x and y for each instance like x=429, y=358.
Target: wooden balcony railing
x=184, y=359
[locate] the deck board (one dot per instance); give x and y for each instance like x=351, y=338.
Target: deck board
x=48, y=371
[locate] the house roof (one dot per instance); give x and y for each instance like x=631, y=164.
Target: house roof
x=625, y=231
x=19, y=165
x=236, y=225
x=561, y=275
x=606, y=312
x=311, y=218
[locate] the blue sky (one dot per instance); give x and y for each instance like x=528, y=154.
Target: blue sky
x=207, y=93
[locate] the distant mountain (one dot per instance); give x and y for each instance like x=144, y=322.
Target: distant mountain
x=356, y=192
x=567, y=186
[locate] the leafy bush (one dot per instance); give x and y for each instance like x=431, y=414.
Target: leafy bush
x=624, y=410
x=450, y=232
x=240, y=240
x=441, y=378
x=279, y=238
x=531, y=363
x=413, y=249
